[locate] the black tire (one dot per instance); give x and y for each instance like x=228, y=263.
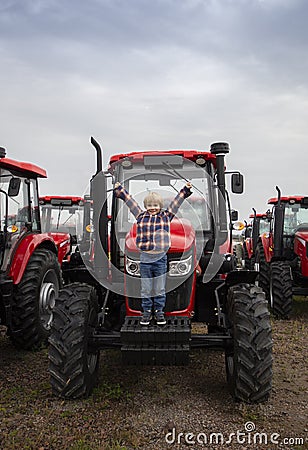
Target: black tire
x=263, y=268
x=34, y=299
x=249, y=361
x=73, y=368
x=281, y=289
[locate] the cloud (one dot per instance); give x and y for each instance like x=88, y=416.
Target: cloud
x=159, y=74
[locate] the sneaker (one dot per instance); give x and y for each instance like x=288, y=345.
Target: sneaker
x=160, y=318
x=146, y=318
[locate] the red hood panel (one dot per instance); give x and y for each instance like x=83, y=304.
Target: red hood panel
x=302, y=235
x=182, y=236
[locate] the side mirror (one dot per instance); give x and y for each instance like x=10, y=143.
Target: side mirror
x=237, y=183
x=234, y=215
x=14, y=187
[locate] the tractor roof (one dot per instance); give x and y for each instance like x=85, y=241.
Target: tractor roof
x=187, y=154
x=259, y=215
x=286, y=199
x=61, y=200
x=49, y=198
x=29, y=170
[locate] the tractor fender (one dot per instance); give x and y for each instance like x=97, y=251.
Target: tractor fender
x=267, y=244
x=241, y=276
x=25, y=250
x=63, y=244
x=300, y=249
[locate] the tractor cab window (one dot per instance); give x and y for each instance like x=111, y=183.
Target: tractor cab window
x=296, y=215
x=35, y=214
x=264, y=226
x=18, y=211
x=195, y=208
x=61, y=218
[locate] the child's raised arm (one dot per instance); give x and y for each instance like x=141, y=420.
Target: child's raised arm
x=122, y=193
x=178, y=200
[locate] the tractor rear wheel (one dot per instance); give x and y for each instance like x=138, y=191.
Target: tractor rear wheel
x=34, y=299
x=263, y=267
x=249, y=360
x=281, y=289
x=73, y=366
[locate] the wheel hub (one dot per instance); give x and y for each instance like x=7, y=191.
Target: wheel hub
x=48, y=293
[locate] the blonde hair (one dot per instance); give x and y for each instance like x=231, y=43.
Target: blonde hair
x=153, y=197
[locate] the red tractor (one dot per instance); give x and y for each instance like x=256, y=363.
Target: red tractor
x=30, y=275
x=281, y=254
x=260, y=224
x=68, y=214
x=202, y=284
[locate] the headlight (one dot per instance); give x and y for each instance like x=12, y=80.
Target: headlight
x=180, y=268
x=132, y=267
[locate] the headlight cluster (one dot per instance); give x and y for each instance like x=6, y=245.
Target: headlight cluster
x=177, y=268
x=133, y=267
x=180, y=267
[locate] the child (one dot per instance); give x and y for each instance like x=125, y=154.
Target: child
x=153, y=240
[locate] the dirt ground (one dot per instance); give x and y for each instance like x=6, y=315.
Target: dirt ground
x=158, y=408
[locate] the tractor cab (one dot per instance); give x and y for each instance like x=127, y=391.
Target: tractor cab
x=18, y=205
x=60, y=214
x=70, y=215
x=259, y=225
x=293, y=242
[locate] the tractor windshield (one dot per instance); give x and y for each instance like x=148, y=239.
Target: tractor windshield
x=196, y=207
x=61, y=218
x=264, y=226
x=296, y=215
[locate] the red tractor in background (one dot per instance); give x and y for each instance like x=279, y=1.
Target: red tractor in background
x=260, y=224
x=282, y=254
x=68, y=214
x=30, y=275
x=202, y=284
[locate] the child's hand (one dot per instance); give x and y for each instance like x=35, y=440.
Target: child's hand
x=188, y=185
x=117, y=184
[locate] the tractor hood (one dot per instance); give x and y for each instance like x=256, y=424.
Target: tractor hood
x=300, y=240
x=182, y=237
x=302, y=235
x=301, y=249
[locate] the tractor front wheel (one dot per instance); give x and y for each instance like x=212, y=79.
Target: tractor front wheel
x=34, y=299
x=249, y=359
x=281, y=289
x=73, y=366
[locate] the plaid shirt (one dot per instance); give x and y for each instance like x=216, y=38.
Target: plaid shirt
x=153, y=230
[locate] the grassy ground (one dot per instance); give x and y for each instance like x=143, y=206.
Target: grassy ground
x=134, y=408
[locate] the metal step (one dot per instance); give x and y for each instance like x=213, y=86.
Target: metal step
x=156, y=345
x=169, y=355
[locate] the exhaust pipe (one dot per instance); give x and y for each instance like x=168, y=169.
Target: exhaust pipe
x=99, y=159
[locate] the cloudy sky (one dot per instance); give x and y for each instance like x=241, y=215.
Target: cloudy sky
x=157, y=74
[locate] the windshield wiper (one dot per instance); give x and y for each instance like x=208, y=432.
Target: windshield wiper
x=175, y=172
x=60, y=210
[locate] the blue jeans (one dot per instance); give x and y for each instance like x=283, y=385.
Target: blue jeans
x=153, y=269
